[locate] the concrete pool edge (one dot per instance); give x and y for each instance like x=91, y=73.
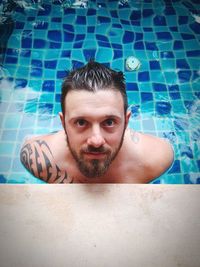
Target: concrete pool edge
x=100, y=225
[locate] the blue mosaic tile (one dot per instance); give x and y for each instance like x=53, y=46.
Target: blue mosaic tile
x=197, y=94
x=25, y=53
x=39, y=43
x=89, y=54
x=91, y=12
x=163, y=108
x=147, y=29
x=2, y=179
x=61, y=74
x=118, y=54
x=36, y=72
x=195, y=27
x=181, y=124
x=192, y=178
x=154, y=65
x=167, y=54
x=187, y=36
x=77, y=64
x=132, y=86
x=50, y=64
x=41, y=26
x=159, y=20
x=68, y=37
x=148, y=125
x=5, y=163
x=78, y=45
x=124, y=22
x=128, y=37
x=135, y=15
x=68, y=27
x=12, y=60
x=102, y=19
x=91, y=29
x=104, y=44
x=159, y=87
x=173, y=29
x=198, y=164
x=182, y=64
x=56, y=19
x=9, y=135
x=175, y=95
x=30, y=18
x=81, y=20
x=69, y=11
x=102, y=38
x=54, y=45
x=138, y=36
x=79, y=37
x=146, y=97
x=175, y=167
x=182, y=20
x=151, y=46
x=193, y=53
x=57, y=98
x=177, y=45
x=143, y=76
x=116, y=46
x=48, y=86
x=114, y=13
x=37, y=63
x=45, y=108
x=184, y=76
x=20, y=83
x=19, y=25
x=169, y=10
x=173, y=88
x=46, y=10
x=55, y=35
x=195, y=75
x=26, y=42
x=135, y=110
x=3, y=106
x=186, y=151
x=11, y=52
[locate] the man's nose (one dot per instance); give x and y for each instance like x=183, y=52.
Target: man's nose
x=96, y=139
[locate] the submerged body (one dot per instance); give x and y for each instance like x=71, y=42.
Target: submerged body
x=95, y=145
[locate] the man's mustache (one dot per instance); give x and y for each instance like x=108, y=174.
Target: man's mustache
x=91, y=149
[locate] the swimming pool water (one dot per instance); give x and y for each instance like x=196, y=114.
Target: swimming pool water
x=42, y=40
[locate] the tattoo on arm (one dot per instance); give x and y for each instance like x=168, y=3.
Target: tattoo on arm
x=38, y=159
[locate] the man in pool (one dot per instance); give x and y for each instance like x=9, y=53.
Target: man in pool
x=95, y=145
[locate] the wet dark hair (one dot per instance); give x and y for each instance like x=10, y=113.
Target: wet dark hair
x=93, y=77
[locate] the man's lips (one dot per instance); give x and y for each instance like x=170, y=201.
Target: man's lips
x=95, y=154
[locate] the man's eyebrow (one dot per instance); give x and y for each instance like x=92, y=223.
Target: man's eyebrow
x=112, y=116
x=104, y=117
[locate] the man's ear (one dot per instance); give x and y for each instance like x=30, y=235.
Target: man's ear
x=128, y=115
x=62, y=119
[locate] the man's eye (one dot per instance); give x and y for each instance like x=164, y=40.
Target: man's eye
x=81, y=122
x=109, y=123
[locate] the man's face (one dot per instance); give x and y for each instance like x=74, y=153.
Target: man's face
x=94, y=124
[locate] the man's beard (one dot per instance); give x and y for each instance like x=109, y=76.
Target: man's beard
x=95, y=168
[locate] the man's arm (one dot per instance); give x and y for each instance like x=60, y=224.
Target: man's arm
x=37, y=158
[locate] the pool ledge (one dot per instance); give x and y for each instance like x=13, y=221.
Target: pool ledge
x=99, y=225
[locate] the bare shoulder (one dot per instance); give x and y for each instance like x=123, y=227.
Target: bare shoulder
x=38, y=157
x=155, y=153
